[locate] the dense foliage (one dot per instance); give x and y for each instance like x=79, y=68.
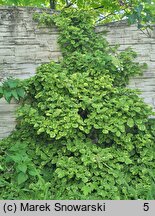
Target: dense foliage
x=141, y=12
x=81, y=134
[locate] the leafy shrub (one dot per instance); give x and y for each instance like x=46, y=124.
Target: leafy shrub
x=81, y=134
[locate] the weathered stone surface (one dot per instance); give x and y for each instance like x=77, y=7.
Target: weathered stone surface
x=129, y=36
x=24, y=46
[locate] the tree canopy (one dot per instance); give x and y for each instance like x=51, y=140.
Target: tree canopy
x=141, y=12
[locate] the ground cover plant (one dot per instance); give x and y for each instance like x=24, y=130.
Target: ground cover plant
x=81, y=134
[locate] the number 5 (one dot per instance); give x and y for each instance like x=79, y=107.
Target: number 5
x=146, y=207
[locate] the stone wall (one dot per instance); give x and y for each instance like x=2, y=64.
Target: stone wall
x=144, y=44
x=24, y=46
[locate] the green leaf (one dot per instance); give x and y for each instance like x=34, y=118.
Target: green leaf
x=115, y=61
x=118, y=133
x=141, y=127
x=81, y=128
x=61, y=174
x=40, y=130
x=32, y=172
x=130, y=122
x=122, y=128
x=21, y=178
x=1, y=168
x=21, y=92
x=85, y=179
x=22, y=167
x=7, y=95
x=52, y=134
x=16, y=158
x=104, y=131
x=86, y=189
x=57, y=112
x=15, y=94
x=12, y=83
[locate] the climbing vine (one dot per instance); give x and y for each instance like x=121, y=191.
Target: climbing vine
x=81, y=134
